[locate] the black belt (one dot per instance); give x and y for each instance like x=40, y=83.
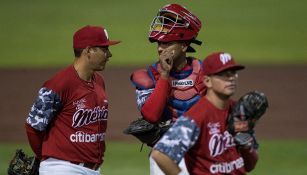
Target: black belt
x=92, y=166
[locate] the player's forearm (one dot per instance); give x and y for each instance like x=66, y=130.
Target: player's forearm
x=167, y=165
x=35, y=139
x=153, y=107
x=250, y=157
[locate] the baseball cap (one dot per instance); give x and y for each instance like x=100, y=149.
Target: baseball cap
x=219, y=62
x=92, y=36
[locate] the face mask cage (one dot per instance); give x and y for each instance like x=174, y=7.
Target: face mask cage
x=165, y=22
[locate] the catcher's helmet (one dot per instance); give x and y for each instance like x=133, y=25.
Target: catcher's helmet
x=175, y=23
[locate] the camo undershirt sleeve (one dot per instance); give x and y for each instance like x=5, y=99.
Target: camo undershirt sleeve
x=142, y=96
x=178, y=139
x=44, y=109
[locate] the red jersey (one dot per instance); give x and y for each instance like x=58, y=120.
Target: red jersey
x=215, y=151
x=74, y=114
x=201, y=137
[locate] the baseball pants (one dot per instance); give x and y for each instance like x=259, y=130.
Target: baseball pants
x=52, y=166
x=155, y=169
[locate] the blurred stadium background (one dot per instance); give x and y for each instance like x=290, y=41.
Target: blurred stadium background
x=269, y=36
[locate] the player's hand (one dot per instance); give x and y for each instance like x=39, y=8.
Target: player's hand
x=166, y=61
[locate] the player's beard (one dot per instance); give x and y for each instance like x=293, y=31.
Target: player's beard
x=101, y=66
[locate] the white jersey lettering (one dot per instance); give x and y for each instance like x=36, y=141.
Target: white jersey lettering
x=182, y=83
x=81, y=136
x=87, y=116
x=227, y=167
x=219, y=142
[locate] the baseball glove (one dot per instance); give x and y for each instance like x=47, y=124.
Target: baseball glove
x=244, y=139
x=146, y=132
x=246, y=112
x=21, y=164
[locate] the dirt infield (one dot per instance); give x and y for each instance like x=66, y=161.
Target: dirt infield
x=284, y=86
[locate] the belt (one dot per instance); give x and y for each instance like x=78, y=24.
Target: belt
x=92, y=166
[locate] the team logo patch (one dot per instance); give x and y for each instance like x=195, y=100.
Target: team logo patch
x=80, y=104
x=106, y=33
x=214, y=128
x=224, y=58
x=182, y=83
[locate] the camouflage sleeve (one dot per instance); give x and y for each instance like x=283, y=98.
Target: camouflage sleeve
x=43, y=109
x=142, y=95
x=178, y=139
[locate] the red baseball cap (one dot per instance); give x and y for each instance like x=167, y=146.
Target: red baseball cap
x=92, y=36
x=219, y=62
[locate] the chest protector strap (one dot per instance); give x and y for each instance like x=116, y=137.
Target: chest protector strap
x=187, y=87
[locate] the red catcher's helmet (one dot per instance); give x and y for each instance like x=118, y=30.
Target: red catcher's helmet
x=175, y=23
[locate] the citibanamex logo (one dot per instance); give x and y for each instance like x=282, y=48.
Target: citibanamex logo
x=87, y=116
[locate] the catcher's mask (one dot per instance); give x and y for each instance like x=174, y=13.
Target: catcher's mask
x=175, y=23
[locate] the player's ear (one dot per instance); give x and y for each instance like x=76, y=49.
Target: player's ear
x=184, y=46
x=87, y=52
x=90, y=49
x=207, y=81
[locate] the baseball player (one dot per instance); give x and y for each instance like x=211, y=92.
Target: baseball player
x=67, y=124
x=172, y=85
x=201, y=134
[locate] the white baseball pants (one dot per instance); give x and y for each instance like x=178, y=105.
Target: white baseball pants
x=52, y=166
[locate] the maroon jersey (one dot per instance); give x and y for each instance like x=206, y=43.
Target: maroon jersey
x=74, y=114
x=202, y=137
x=215, y=145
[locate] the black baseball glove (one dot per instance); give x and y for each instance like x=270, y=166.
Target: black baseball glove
x=146, y=132
x=244, y=115
x=21, y=164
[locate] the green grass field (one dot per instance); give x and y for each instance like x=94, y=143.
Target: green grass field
x=276, y=158
x=39, y=33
